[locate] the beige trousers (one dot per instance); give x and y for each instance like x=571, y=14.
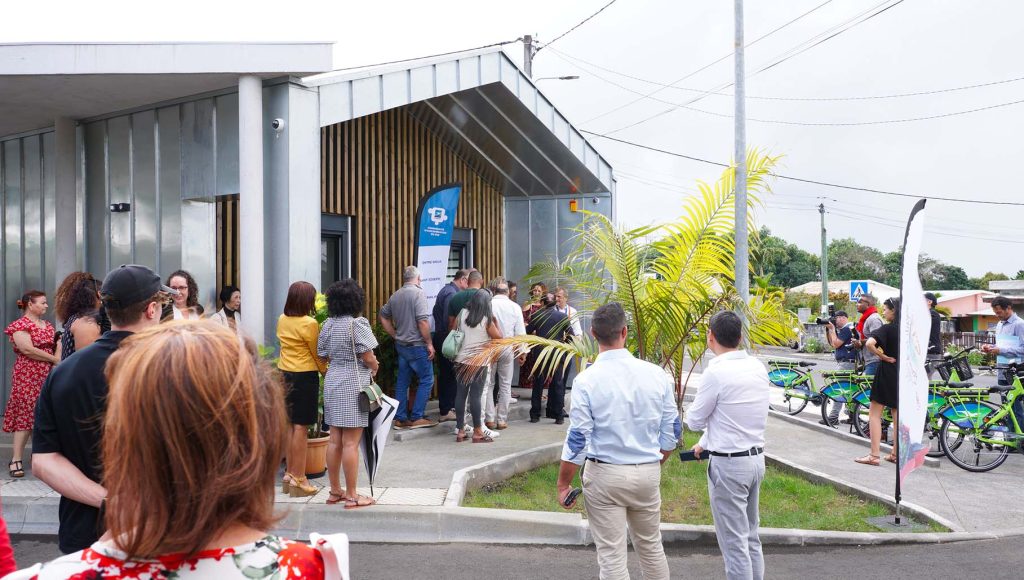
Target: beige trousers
x=619, y=495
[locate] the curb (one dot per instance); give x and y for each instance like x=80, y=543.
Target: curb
x=499, y=469
x=933, y=462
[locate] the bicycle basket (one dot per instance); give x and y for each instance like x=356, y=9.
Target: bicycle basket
x=961, y=365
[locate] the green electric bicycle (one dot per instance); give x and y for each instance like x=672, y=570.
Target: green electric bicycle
x=978, y=434
x=791, y=385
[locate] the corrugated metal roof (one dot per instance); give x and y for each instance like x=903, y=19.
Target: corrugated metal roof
x=483, y=106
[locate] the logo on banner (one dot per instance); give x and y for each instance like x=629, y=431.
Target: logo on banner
x=437, y=215
x=858, y=288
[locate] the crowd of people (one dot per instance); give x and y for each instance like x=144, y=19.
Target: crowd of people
x=185, y=368
x=468, y=383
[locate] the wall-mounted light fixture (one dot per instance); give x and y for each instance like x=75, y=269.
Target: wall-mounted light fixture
x=120, y=207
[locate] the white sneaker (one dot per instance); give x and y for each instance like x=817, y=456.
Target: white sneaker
x=448, y=417
x=491, y=433
x=513, y=401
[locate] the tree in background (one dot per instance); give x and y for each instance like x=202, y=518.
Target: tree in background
x=850, y=260
x=1020, y=275
x=982, y=283
x=784, y=264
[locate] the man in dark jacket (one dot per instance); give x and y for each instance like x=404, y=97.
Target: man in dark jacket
x=550, y=323
x=935, y=336
x=445, y=371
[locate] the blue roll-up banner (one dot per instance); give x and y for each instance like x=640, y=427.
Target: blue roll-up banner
x=434, y=227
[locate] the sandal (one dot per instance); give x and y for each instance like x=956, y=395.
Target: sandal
x=300, y=487
x=483, y=439
x=16, y=469
x=891, y=458
x=335, y=498
x=868, y=460
x=286, y=482
x=359, y=501
x=460, y=437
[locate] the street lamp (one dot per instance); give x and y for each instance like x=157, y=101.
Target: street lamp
x=565, y=78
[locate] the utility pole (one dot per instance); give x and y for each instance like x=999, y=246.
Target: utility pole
x=742, y=249
x=528, y=55
x=824, y=263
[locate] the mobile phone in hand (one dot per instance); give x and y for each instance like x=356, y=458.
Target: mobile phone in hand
x=690, y=456
x=571, y=496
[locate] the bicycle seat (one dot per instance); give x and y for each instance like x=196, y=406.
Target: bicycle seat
x=806, y=363
x=1000, y=389
x=956, y=385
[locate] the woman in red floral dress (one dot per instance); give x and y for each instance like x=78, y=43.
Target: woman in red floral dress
x=33, y=341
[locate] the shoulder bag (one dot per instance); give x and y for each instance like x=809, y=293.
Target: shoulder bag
x=453, y=342
x=371, y=395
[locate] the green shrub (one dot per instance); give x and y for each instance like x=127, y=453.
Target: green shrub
x=814, y=346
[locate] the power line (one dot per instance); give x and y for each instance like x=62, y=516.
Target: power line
x=797, y=99
x=709, y=65
x=580, y=23
x=792, y=52
x=858, y=123
x=930, y=231
x=785, y=121
x=802, y=180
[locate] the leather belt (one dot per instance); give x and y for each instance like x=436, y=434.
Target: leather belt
x=748, y=453
x=596, y=460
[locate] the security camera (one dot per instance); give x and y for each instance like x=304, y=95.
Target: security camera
x=278, y=125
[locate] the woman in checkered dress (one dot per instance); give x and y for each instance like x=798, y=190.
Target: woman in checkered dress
x=347, y=341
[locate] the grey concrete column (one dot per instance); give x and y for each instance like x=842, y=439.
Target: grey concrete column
x=252, y=253
x=66, y=205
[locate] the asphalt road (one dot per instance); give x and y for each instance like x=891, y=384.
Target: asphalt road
x=992, y=560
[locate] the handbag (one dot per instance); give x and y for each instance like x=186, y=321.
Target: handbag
x=453, y=342
x=370, y=396
x=334, y=550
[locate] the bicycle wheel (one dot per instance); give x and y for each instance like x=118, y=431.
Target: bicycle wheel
x=862, y=423
x=789, y=400
x=831, y=411
x=962, y=442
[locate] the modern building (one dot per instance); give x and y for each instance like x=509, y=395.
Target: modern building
x=258, y=165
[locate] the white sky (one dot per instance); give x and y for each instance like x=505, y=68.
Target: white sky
x=919, y=45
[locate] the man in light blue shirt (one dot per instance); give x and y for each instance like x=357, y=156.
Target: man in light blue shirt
x=1009, y=346
x=624, y=424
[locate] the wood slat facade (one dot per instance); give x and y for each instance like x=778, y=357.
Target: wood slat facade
x=376, y=169
x=227, y=242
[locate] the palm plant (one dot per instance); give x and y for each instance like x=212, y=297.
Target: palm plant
x=669, y=278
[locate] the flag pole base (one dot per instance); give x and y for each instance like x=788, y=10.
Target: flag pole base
x=903, y=524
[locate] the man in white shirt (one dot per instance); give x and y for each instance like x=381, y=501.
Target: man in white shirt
x=510, y=321
x=731, y=408
x=624, y=424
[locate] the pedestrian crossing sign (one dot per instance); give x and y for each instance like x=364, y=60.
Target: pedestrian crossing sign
x=858, y=288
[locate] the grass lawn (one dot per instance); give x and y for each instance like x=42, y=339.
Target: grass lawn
x=787, y=500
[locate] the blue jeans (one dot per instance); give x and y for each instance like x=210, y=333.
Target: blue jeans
x=413, y=359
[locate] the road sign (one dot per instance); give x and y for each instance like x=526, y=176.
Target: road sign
x=858, y=288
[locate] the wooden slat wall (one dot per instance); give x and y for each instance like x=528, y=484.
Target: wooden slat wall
x=376, y=169
x=227, y=241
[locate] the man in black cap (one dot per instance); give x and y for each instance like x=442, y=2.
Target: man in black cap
x=935, y=336
x=66, y=438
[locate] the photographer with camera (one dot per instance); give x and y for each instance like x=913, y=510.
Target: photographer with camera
x=840, y=334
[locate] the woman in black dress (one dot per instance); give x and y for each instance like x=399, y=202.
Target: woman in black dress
x=885, y=343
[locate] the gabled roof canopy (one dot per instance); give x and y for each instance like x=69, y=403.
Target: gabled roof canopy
x=484, y=107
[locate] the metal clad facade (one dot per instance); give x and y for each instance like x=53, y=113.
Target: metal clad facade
x=26, y=238
x=156, y=160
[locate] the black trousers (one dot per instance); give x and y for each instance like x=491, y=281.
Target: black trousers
x=445, y=377
x=555, y=408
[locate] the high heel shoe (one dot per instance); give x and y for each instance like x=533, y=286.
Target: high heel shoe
x=286, y=482
x=300, y=487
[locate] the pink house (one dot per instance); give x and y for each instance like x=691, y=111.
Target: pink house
x=969, y=310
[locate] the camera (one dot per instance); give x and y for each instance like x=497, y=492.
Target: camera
x=277, y=125
x=830, y=319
